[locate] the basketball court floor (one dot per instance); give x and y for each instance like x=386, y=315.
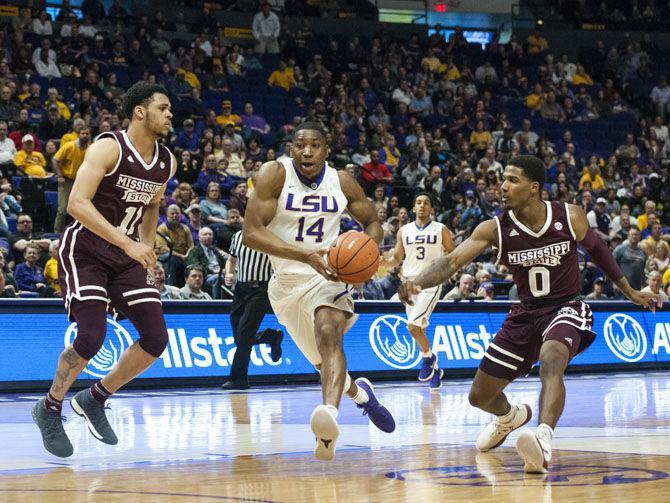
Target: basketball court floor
x=613, y=444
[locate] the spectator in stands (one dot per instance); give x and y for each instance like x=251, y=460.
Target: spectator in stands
x=225, y=232
x=413, y=172
x=649, y=209
x=660, y=95
x=229, y=133
x=24, y=235
x=227, y=115
x=238, y=198
x=188, y=138
x=581, y=78
x=535, y=99
x=266, y=28
x=53, y=99
x=283, y=77
x=255, y=123
x=374, y=172
x=53, y=128
x=7, y=147
x=167, y=292
x=77, y=125
x=550, y=109
x=30, y=276
x=173, y=240
x=214, y=212
x=530, y=135
x=631, y=258
x=7, y=291
x=592, y=176
x=51, y=267
x=480, y=139
x=536, y=43
x=206, y=255
x=598, y=290
x=44, y=53
x=87, y=29
x=628, y=153
x=235, y=166
x=65, y=164
x=654, y=285
x=486, y=291
x=31, y=162
x=254, y=151
x=599, y=219
x=195, y=278
x=464, y=290
x=41, y=25
x=9, y=109
x=194, y=224
x=472, y=214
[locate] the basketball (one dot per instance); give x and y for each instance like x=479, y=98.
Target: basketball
x=354, y=257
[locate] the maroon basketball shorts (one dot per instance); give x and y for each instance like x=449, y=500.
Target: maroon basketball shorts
x=516, y=347
x=93, y=269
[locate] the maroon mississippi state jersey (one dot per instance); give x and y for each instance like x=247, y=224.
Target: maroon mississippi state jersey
x=544, y=264
x=124, y=192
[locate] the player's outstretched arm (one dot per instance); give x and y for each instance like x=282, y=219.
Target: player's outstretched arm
x=360, y=207
x=260, y=211
x=397, y=254
x=440, y=270
x=603, y=258
x=99, y=160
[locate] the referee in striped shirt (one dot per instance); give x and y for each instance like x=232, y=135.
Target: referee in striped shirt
x=252, y=270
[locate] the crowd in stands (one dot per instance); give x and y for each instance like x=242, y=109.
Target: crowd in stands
x=433, y=114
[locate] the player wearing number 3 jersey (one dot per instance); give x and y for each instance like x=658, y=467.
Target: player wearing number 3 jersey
x=420, y=242
x=537, y=241
x=105, y=255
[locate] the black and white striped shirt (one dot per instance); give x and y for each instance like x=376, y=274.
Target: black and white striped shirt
x=252, y=265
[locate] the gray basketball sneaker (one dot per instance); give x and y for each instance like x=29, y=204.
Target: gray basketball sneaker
x=51, y=427
x=93, y=411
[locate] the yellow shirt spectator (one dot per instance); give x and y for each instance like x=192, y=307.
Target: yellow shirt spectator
x=453, y=73
x=481, y=140
x=666, y=276
x=68, y=137
x=597, y=183
x=31, y=162
x=283, y=77
x=536, y=43
x=583, y=79
x=63, y=110
x=70, y=156
x=190, y=77
x=223, y=119
x=534, y=101
x=430, y=62
x=51, y=274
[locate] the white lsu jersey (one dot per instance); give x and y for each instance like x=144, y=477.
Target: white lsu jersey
x=422, y=246
x=308, y=215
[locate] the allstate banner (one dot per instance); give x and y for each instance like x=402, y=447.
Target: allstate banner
x=201, y=342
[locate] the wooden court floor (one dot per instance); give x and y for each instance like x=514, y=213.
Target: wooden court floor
x=613, y=444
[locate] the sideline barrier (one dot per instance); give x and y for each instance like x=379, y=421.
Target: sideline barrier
x=201, y=347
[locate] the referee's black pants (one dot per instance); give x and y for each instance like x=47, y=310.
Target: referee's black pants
x=250, y=305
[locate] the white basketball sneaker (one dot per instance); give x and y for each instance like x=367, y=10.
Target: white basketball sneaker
x=325, y=429
x=496, y=431
x=534, y=447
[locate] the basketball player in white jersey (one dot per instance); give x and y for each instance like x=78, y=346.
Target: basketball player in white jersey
x=293, y=216
x=420, y=243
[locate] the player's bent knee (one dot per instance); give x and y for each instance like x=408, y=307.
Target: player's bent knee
x=90, y=337
x=328, y=338
x=154, y=343
x=477, y=399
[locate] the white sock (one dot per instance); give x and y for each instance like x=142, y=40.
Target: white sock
x=428, y=354
x=333, y=410
x=361, y=397
x=545, y=428
x=506, y=418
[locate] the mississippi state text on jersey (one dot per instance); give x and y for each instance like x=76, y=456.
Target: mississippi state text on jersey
x=544, y=264
x=125, y=191
x=308, y=214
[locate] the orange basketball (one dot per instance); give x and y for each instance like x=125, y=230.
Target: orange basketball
x=354, y=257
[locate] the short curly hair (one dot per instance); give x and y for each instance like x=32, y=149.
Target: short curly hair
x=140, y=94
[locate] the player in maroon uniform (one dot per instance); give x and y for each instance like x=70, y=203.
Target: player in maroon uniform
x=537, y=240
x=104, y=257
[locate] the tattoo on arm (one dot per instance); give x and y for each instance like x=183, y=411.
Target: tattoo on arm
x=440, y=270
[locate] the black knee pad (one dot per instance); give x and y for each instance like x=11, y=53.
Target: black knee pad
x=91, y=327
x=154, y=343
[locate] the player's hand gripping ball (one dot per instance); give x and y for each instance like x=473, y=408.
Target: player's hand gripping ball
x=354, y=257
